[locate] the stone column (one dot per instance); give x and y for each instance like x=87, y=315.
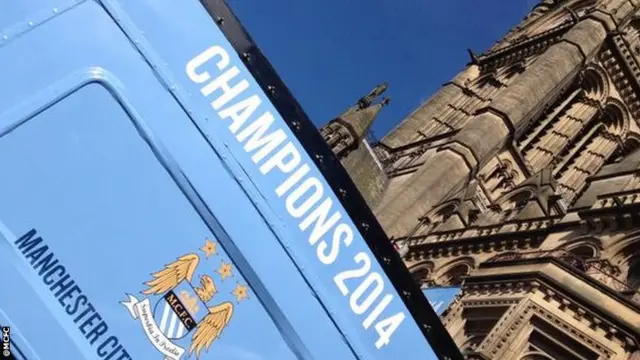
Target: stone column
x=488, y=131
x=559, y=135
x=588, y=162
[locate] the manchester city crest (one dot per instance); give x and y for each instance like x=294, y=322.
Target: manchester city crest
x=182, y=304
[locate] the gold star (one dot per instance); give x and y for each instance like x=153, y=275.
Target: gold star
x=224, y=270
x=209, y=248
x=240, y=292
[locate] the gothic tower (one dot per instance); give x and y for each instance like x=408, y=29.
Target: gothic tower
x=347, y=137
x=520, y=182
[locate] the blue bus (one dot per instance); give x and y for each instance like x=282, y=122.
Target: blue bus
x=163, y=196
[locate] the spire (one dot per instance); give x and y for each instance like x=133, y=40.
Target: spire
x=345, y=133
x=368, y=99
x=360, y=121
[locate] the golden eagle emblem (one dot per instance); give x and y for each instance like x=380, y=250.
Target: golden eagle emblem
x=184, y=306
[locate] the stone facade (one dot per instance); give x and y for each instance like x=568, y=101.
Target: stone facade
x=520, y=182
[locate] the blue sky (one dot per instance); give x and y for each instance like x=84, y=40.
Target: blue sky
x=331, y=52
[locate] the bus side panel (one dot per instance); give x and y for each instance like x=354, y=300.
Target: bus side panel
x=195, y=58
x=105, y=242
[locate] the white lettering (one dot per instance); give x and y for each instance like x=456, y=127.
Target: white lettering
x=267, y=143
x=387, y=327
x=352, y=274
x=201, y=59
x=292, y=180
x=311, y=183
x=375, y=314
x=373, y=279
x=322, y=225
x=286, y=159
x=270, y=148
x=342, y=233
x=222, y=83
x=240, y=112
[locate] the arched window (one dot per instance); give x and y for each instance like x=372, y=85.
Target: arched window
x=435, y=218
x=518, y=200
x=585, y=251
x=453, y=274
x=578, y=256
x=511, y=203
x=421, y=273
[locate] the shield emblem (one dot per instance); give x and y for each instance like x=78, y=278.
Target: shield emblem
x=179, y=311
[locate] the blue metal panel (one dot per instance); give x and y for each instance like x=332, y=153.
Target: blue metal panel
x=441, y=297
x=114, y=152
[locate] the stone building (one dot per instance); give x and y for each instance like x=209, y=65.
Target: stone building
x=520, y=181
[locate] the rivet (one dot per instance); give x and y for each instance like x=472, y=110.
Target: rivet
x=219, y=20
